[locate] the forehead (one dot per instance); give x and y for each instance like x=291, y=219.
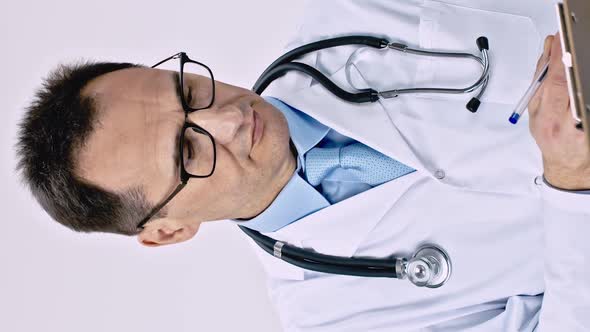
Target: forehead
x=138, y=113
x=131, y=86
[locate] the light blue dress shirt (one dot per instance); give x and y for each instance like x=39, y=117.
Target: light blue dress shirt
x=298, y=198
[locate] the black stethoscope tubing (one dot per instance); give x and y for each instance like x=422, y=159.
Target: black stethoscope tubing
x=364, y=267
x=283, y=64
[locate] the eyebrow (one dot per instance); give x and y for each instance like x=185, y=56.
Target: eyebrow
x=176, y=153
x=175, y=76
x=177, y=88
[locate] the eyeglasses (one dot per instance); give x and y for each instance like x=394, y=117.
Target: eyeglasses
x=196, y=147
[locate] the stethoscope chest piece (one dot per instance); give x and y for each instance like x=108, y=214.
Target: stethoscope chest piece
x=429, y=267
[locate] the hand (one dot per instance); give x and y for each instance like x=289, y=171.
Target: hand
x=566, y=153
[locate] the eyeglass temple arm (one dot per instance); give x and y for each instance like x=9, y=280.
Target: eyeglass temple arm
x=168, y=58
x=158, y=207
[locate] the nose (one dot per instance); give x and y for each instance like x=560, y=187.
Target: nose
x=222, y=123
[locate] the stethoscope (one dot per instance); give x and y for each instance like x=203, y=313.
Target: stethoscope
x=430, y=265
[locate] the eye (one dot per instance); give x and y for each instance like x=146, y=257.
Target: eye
x=188, y=150
x=189, y=97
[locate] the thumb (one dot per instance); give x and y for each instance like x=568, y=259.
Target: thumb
x=556, y=97
x=547, y=50
x=556, y=72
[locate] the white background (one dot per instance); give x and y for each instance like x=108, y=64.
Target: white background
x=52, y=279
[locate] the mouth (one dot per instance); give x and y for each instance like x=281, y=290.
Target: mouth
x=257, y=129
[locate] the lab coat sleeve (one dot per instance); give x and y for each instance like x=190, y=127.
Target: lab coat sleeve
x=566, y=302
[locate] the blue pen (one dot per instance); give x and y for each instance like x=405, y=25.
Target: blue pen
x=530, y=93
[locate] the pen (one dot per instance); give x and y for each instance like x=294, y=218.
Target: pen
x=530, y=93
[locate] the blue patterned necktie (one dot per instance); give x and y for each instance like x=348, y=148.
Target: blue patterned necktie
x=370, y=166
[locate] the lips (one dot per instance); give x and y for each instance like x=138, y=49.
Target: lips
x=257, y=130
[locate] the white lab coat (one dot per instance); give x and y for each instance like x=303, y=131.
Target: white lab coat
x=519, y=248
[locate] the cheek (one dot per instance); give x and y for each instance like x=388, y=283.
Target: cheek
x=230, y=175
x=208, y=199
x=227, y=180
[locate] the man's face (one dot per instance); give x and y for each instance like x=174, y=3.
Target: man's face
x=134, y=143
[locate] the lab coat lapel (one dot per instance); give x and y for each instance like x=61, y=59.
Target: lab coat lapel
x=340, y=228
x=336, y=230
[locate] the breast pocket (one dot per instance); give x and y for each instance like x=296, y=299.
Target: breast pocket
x=515, y=46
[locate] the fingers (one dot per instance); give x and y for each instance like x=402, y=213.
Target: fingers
x=536, y=100
x=550, y=109
x=547, y=48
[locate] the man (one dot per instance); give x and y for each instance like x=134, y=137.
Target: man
x=105, y=146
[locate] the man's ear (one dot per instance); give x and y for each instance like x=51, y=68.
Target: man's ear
x=164, y=231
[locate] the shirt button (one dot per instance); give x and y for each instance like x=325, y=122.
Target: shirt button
x=538, y=180
x=439, y=174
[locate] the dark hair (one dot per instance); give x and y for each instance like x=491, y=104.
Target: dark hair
x=55, y=127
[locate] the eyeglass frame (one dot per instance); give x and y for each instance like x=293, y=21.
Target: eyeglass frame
x=184, y=175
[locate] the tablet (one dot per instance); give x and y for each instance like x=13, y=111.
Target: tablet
x=574, y=21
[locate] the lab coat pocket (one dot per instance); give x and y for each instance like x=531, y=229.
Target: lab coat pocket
x=515, y=46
